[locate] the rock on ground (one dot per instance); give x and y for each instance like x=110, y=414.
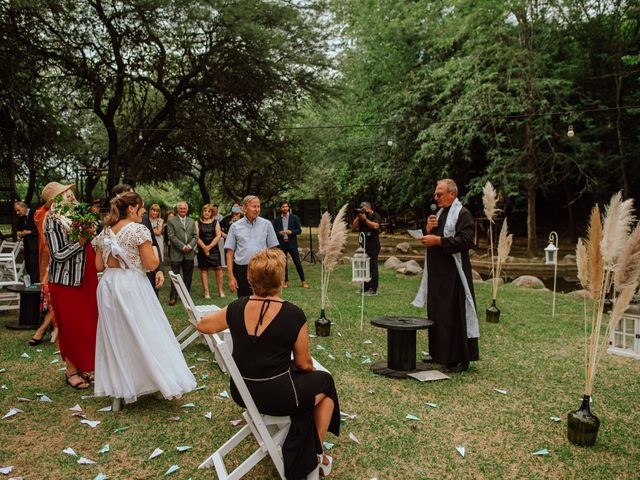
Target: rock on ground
x=403, y=247
x=528, y=281
x=410, y=267
x=392, y=262
x=579, y=294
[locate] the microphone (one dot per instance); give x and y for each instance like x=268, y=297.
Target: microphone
x=433, y=207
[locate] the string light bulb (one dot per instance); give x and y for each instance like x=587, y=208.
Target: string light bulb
x=140, y=136
x=248, y=139
x=390, y=143
x=570, y=132
x=58, y=132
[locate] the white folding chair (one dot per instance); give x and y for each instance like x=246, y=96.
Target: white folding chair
x=269, y=431
x=10, y=273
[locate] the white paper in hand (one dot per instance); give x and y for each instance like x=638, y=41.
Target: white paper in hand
x=417, y=234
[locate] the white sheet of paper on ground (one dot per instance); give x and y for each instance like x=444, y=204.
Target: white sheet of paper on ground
x=183, y=448
x=25, y=355
x=555, y=419
x=417, y=234
x=70, y=451
x=327, y=445
x=6, y=470
x=91, y=423
x=412, y=417
x=100, y=476
x=500, y=390
x=208, y=415
x=460, y=451
x=432, y=405
x=171, y=469
x=76, y=408
x=223, y=394
x=23, y=399
x=188, y=405
x=429, y=375
x=106, y=409
x=236, y=422
x=105, y=449
x=353, y=438
x=85, y=461
x=544, y=451
x=45, y=399
x=156, y=453
x=13, y=411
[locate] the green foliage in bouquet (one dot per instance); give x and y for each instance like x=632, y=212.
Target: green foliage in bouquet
x=80, y=220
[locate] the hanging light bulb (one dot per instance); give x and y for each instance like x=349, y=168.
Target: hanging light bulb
x=140, y=136
x=570, y=132
x=390, y=143
x=248, y=139
x=58, y=132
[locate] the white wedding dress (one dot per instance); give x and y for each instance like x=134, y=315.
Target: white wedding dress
x=136, y=350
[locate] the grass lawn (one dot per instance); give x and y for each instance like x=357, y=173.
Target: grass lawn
x=535, y=358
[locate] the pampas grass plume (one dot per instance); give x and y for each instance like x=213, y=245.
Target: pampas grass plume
x=615, y=229
x=324, y=233
x=594, y=237
x=489, y=200
x=582, y=262
x=336, y=241
x=628, y=270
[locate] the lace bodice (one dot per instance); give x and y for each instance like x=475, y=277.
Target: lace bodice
x=125, y=243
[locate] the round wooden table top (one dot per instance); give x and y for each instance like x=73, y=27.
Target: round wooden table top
x=402, y=323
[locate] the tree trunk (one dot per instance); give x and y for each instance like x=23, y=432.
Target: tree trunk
x=623, y=168
x=31, y=185
x=202, y=184
x=113, y=167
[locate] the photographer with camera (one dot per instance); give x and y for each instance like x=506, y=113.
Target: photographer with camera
x=368, y=222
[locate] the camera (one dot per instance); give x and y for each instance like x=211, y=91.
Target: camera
x=360, y=210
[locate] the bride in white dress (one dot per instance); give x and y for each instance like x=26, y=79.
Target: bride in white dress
x=136, y=350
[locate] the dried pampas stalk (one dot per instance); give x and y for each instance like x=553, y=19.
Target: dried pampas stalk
x=594, y=254
x=504, y=248
x=582, y=262
x=615, y=230
x=489, y=201
x=332, y=239
x=628, y=270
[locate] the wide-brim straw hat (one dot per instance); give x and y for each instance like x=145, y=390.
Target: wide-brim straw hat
x=52, y=189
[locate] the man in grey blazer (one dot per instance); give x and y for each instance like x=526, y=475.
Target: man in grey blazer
x=183, y=237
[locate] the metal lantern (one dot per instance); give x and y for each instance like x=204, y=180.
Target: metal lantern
x=551, y=258
x=360, y=270
x=625, y=339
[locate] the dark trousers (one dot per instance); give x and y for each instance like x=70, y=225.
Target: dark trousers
x=295, y=256
x=373, y=268
x=187, y=272
x=31, y=264
x=240, y=272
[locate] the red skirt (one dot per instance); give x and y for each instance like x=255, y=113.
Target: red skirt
x=76, y=311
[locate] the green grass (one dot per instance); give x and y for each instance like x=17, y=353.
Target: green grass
x=536, y=358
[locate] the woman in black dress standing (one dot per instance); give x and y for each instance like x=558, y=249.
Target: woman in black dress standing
x=208, y=231
x=265, y=330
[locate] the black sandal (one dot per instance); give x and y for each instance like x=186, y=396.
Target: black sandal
x=37, y=341
x=77, y=386
x=88, y=376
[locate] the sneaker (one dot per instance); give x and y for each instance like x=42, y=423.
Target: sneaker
x=370, y=293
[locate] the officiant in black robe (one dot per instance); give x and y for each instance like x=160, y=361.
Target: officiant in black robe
x=453, y=338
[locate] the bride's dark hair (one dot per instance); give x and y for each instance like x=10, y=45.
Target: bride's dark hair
x=119, y=205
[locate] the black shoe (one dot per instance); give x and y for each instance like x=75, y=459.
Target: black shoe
x=36, y=341
x=457, y=367
x=370, y=293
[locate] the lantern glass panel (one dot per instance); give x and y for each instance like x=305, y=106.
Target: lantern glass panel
x=628, y=322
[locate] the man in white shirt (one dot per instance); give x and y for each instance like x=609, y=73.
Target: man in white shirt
x=246, y=237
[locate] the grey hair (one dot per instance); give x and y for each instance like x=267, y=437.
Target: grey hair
x=451, y=185
x=20, y=204
x=182, y=201
x=248, y=199
x=366, y=205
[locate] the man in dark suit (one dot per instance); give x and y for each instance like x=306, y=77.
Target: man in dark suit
x=287, y=227
x=184, y=238
x=155, y=278
x=28, y=232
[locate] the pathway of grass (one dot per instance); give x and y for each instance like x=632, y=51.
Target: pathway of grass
x=536, y=359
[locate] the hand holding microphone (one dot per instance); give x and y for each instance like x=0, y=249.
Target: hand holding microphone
x=432, y=221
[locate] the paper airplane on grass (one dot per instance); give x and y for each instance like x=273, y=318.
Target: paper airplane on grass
x=105, y=449
x=174, y=419
x=199, y=359
x=121, y=429
x=171, y=469
x=2, y=370
x=411, y=417
x=542, y=452
x=6, y=470
x=353, y=438
x=204, y=376
x=327, y=445
x=223, y=394
x=432, y=405
x=347, y=415
x=91, y=423
x=156, y=453
x=70, y=451
x=76, y=408
x=12, y=412
x=500, y=390
x=25, y=355
x=555, y=419
x=460, y=450
x=367, y=342
x=208, y=415
x=4, y=387
x=84, y=397
x=188, y=405
x=39, y=350
x=237, y=422
x=348, y=354
x=108, y=408
x=320, y=347
x=85, y=461
x=54, y=361
x=100, y=476
x=331, y=356
x=366, y=360
x=339, y=334
x=44, y=398
x=183, y=448
x=23, y=399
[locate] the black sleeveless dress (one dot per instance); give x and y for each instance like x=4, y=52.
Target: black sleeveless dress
x=277, y=387
x=206, y=233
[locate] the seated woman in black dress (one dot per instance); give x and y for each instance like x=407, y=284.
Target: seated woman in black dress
x=265, y=330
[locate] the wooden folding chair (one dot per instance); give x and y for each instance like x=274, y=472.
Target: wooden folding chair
x=269, y=431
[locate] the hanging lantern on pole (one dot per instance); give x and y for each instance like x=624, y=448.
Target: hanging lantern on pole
x=551, y=258
x=360, y=264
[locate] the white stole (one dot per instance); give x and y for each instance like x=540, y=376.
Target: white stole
x=419, y=301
